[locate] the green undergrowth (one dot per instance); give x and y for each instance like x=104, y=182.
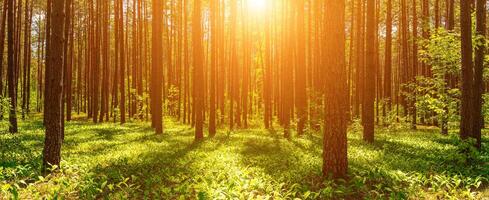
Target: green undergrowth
x=110, y=161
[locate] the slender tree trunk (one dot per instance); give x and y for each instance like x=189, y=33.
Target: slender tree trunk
x=414, y=68
x=96, y=57
x=122, y=62
x=426, y=30
x=157, y=66
x=466, y=122
x=104, y=51
x=26, y=66
x=437, y=14
x=369, y=95
x=11, y=69
x=478, y=71
x=301, y=70
x=359, y=83
x=388, y=61
x=198, y=70
x=267, y=90
x=117, y=64
x=67, y=60
x=451, y=15
x=233, y=62
x=2, y=47
x=214, y=31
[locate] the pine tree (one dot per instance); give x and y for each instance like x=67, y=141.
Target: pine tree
x=11, y=69
x=369, y=95
x=198, y=55
x=466, y=122
x=157, y=66
x=53, y=102
x=480, y=52
x=335, y=159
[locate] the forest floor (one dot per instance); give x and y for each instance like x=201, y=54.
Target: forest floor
x=129, y=161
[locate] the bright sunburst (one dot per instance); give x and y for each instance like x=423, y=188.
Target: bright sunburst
x=257, y=5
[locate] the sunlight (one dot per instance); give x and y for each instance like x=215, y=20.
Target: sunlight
x=257, y=6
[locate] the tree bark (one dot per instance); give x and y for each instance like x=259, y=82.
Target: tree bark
x=54, y=84
x=157, y=66
x=388, y=61
x=335, y=159
x=198, y=70
x=213, y=68
x=478, y=71
x=301, y=70
x=2, y=47
x=11, y=69
x=369, y=94
x=466, y=122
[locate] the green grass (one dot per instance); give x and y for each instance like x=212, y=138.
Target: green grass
x=130, y=162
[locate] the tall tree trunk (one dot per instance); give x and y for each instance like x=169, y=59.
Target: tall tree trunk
x=117, y=64
x=233, y=62
x=96, y=57
x=466, y=122
x=67, y=60
x=198, y=55
x=26, y=66
x=246, y=77
x=388, y=61
x=11, y=69
x=369, y=94
x=2, y=47
x=104, y=51
x=122, y=63
x=157, y=66
x=426, y=31
x=335, y=159
x=267, y=86
x=214, y=49
x=360, y=69
x=301, y=70
x=478, y=71
x=54, y=84
x=414, y=68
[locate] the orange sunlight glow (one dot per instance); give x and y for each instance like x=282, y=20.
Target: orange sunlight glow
x=257, y=6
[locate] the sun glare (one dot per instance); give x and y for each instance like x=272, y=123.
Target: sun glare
x=257, y=5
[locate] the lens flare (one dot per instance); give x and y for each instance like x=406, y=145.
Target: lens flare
x=257, y=5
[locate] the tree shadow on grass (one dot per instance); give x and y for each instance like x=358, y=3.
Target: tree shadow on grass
x=32, y=125
x=417, y=159
x=154, y=168
x=281, y=159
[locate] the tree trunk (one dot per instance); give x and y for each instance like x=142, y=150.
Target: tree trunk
x=122, y=62
x=388, y=62
x=466, y=122
x=369, y=94
x=214, y=49
x=335, y=159
x=157, y=66
x=414, y=68
x=478, y=71
x=198, y=70
x=54, y=84
x=2, y=46
x=11, y=70
x=67, y=60
x=301, y=71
